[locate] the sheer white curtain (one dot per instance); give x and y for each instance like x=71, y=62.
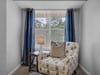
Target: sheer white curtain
x=22, y=30
x=49, y=24
x=76, y=22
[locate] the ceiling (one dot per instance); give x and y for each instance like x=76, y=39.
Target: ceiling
x=49, y=4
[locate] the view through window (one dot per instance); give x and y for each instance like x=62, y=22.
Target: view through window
x=50, y=25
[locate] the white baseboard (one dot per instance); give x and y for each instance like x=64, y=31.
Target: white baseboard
x=87, y=72
x=11, y=73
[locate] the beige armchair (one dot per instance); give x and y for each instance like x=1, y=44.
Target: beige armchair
x=60, y=66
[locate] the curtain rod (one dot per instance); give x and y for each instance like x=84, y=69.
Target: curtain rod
x=53, y=0
x=52, y=9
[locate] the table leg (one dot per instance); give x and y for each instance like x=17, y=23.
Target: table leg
x=29, y=62
x=37, y=63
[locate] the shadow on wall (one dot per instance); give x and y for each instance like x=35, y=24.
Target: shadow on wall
x=95, y=55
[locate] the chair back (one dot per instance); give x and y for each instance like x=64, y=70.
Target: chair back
x=71, y=47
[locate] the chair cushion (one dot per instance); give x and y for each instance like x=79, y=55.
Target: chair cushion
x=53, y=63
x=57, y=50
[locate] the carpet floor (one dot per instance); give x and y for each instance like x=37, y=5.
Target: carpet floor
x=23, y=70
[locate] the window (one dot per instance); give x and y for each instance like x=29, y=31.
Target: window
x=50, y=25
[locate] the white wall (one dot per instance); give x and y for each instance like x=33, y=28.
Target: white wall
x=13, y=36
x=90, y=36
x=2, y=37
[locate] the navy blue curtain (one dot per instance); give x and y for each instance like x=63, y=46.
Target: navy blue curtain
x=29, y=35
x=69, y=26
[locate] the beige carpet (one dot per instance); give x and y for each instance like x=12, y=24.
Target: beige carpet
x=23, y=70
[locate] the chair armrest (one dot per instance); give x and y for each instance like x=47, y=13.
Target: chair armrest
x=71, y=62
x=41, y=56
x=68, y=58
x=66, y=61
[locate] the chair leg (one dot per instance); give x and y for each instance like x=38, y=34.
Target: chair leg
x=29, y=68
x=75, y=72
